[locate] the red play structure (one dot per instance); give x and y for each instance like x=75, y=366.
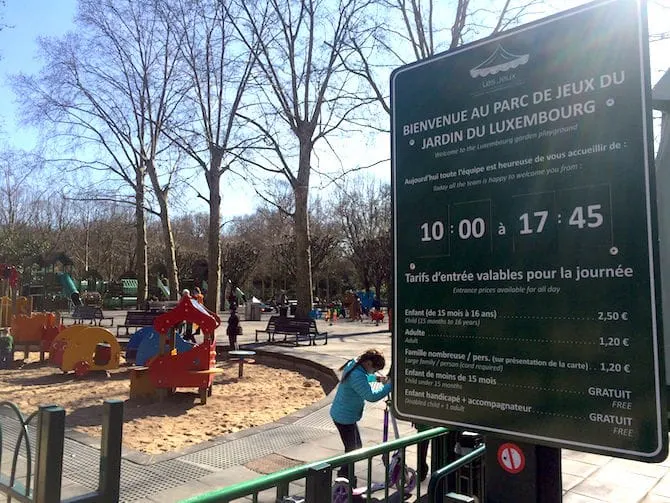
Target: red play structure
x=191, y=369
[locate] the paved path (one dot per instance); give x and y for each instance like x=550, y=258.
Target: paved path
x=309, y=436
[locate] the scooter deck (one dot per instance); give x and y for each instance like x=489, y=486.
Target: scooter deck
x=375, y=486
x=341, y=490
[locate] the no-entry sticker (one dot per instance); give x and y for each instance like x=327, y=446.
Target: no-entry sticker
x=511, y=458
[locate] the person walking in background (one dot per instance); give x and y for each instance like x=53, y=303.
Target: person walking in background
x=352, y=393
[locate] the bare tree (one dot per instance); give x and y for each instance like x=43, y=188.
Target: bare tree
x=109, y=90
x=22, y=197
x=402, y=31
x=238, y=260
x=18, y=191
x=146, y=57
x=301, y=95
x=283, y=251
x=98, y=239
x=218, y=65
x=255, y=229
x=363, y=207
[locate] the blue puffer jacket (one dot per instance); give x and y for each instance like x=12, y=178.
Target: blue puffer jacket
x=347, y=407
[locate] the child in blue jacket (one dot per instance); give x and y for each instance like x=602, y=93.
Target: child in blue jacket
x=354, y=389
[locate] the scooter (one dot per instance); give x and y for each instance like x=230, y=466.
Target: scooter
x=341, y=487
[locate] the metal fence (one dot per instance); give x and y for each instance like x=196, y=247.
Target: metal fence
x=460, y=481
x=314, y=480
x=40, y=481
x=317, y=476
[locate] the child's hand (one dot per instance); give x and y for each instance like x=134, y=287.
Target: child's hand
x=383, y=379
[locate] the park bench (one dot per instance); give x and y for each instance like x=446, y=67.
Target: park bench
x=93, y=314
x=138, y=319
x=302, y=328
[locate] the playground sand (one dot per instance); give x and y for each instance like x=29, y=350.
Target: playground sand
x=263, y=395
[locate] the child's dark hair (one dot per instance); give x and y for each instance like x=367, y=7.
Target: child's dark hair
x=373, y=355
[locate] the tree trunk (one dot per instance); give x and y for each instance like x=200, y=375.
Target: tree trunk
x=141, y=267
x=87, y=244
x=168, y=236
x=170, y=255
x=213, y=299
x=303, y=255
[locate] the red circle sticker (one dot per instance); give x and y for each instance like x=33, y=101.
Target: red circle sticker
x=511, y=458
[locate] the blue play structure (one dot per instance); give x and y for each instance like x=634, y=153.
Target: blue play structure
x=367, y=300
x=145, y=343
x=135, y=341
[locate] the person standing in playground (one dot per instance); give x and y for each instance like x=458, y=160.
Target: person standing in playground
x=233, y=329
x=187, y=326
x=197, y=295
x=6, y=350
x=352, y=393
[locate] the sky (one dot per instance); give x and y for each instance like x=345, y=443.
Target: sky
x=29, y=19
x=26, y=20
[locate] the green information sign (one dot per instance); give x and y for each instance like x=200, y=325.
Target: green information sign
x=526, y=262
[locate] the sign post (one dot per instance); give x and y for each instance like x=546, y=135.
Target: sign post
x=517, y=471
x=527, y=297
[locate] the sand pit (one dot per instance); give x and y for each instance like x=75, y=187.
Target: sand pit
x=263, y=395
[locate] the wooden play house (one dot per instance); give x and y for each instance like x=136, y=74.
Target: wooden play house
x=170, y=370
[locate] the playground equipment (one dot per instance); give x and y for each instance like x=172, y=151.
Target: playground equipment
x=10, y=303
x=48, y=281
x=242, y=357
x=135, y=342
x=240, y=297
x=377, y=316
x=367, y=300
x=148, y=346
x=69, y=287
x=36, y=329
x=170, y=369
x=120, y=294
x=163, y=286
x=84, y=349
x=351, y=302
x=9, y=307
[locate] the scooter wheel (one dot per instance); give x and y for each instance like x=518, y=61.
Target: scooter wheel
x=340, y=492
x=395, y=475
x=410, y=480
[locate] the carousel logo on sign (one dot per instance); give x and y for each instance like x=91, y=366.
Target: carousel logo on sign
x=496, y=69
